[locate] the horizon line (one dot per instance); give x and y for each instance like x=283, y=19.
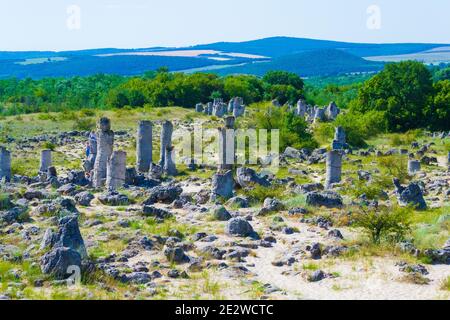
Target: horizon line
x=217, y=42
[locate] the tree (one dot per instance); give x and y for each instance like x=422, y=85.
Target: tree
x=293, y=129
x=283, y=78
x=402, y=90
x=439, y=111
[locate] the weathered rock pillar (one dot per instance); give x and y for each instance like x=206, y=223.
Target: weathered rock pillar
x=339, y=139
x=226, y=148
x=166, y=141
x=230, y=122
x=5, y=164
x=144, y=146
x=334, y=168
x=105, y=143
x=413, y=167
x=116, y=170
x=170, y=168
x=46, y=160
x=199, y=107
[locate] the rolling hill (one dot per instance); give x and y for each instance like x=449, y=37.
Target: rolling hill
x=307, y=57
x=316, y=62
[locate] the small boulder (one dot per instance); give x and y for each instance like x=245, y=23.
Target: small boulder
x=239, y=227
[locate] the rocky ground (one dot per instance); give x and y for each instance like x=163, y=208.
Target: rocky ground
x=165, y=239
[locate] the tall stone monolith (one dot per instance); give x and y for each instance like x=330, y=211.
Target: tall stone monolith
x=333, y=168
x=5, y=164
x=46, y=160
x=105, y=143
x=144, y=147
x=166, y=141
x=170, y=168
x=116, y=170
x=413, y=167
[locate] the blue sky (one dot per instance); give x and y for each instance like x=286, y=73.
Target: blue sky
x=42, y=25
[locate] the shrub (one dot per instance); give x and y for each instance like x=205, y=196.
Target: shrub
x=87, y=113
x=5, y=201
x=358, y=127
x=393, y=166
x=384, y=224
x=84, y=124
x=49, y=145
x=260, y=193
x=445, y=284
x=405, y=139
x=293, y=130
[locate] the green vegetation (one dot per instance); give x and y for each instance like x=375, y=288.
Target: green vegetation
x=293, y=130
x=405, y=92
x=384, y=224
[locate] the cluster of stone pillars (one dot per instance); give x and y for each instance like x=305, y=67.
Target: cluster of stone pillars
x=110, y=166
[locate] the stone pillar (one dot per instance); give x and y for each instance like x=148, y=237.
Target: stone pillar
x=413, y=167
x=88, y=164
x=144, y=146
x=170, y=168
x=105, y=143
x=5, y=164
x=199, y=107
x=51, y=172
x=301, y=108
x=166, y=141
x=334, y=168
x=46, y=160
x=226, y=149
x=222, y=185
x=339, y=139
x=116, y=170
x=230, y=122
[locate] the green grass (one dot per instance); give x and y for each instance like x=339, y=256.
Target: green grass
x=445, y=284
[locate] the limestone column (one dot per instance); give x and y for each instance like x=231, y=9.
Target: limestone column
x=169, y=163
x=166, y=141
x=226, y=148
x=144, y=146
x=46, y=160
x=339, y=138
x=116, y=170
x=230, y=122
x=334, y=168
x=413, y=167
x=105, y=143
x=5, y=164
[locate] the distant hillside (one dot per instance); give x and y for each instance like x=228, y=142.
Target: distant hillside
x=281, y=46
x=307, y=57
x=323, y=62
x=89, y=65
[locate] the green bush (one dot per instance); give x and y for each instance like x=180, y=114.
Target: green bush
x=405, y=139
x=84, y=124
x=260, y=193
x=293, y=130
x=393, y=166
x=358, y=128
x=5, y=201
x=385, y=224
x=48, y=146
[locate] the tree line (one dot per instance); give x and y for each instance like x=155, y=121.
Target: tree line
x=404, y=96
